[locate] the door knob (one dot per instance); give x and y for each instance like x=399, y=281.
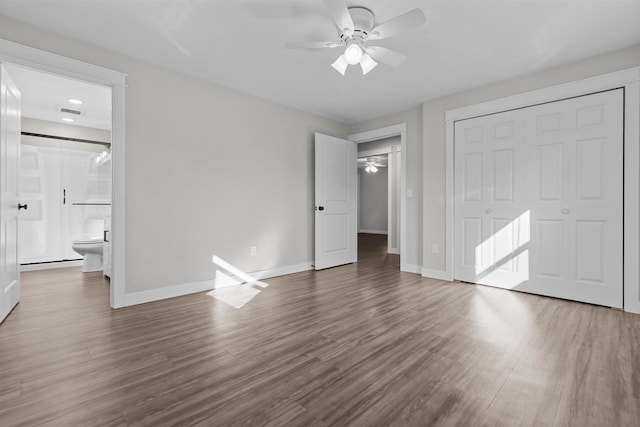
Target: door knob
x=320, y=208
x=488, y=210
x=565, y=211
x=21, y=206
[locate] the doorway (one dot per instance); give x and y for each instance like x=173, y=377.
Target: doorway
x=14, y=54
x=388, y=141
x=63, y=181
x=65, y=172
x=378, y=196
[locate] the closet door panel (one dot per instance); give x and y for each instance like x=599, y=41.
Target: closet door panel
x=548, y=149
x=490, y=221
x=471, y=260
x=597, y=210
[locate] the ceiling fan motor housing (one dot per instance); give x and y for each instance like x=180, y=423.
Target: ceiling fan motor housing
x=363, y=21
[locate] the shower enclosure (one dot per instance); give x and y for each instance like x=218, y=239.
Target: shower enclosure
x=67, y=187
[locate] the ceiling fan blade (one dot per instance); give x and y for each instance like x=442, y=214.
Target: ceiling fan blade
x=339, y=14
x=386, y=56
x=312, y=45
x=393, y=26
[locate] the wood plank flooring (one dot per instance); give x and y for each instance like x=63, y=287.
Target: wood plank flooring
x=362, y=345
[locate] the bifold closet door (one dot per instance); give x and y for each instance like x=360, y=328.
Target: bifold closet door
x=575, y=191
x=490, y=210
x=538, y=199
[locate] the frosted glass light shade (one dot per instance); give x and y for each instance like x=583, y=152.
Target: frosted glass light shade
x=340, y=64
x=367, y=64
x=353, y=54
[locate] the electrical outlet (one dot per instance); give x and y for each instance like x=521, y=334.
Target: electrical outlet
x=435, y=248
x=254, y=250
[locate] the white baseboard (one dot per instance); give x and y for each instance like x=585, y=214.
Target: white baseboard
x=410, y=268
x=436, y=274
x=281, y=271
x=373, y=231
x=394, y=251
x=168, y=292
x=49, y=265
x=206, y=285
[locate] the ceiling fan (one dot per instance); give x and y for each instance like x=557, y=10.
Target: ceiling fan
x=371, y=164
x=356, y=27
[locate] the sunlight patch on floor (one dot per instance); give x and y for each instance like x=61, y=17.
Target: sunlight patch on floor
x=238, y=296
x=234, y=287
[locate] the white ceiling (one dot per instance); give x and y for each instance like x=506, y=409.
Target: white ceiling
x=43, y=93
x=240, y=44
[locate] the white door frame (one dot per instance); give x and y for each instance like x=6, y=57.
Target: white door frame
x=399, y=129
x=25, y=56
x=628, y=79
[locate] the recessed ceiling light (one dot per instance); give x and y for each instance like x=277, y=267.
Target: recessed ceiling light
x=67, y=119
x=75, y=101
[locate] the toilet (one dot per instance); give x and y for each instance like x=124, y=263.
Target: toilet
x=91, y=249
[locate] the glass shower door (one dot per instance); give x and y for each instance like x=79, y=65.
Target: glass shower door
x=41, y=190
x=67, y=186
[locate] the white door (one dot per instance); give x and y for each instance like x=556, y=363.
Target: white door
x=575, y=191
x=9, y=202
x=491, y=216
x=336, y=201
x=539, y=199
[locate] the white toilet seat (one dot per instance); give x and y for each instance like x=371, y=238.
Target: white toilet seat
x=89, y=240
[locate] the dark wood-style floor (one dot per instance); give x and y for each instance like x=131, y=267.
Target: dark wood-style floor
x=362, y=344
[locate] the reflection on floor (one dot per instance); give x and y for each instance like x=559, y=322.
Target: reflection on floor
x=361, y=344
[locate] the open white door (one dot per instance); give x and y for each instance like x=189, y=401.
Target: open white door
x=336, y=208
x=9, y=202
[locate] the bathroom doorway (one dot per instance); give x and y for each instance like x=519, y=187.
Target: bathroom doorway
x=65, y=173
x=20, y=55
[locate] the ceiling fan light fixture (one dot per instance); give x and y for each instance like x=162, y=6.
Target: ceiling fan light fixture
x=356, y=27
x=367, y=64
x=353, y=53
x=340, y=64
x=371, y=168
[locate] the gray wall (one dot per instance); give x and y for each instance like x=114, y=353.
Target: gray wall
x=373, y=197
x=209, y=170
x=434, y=133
